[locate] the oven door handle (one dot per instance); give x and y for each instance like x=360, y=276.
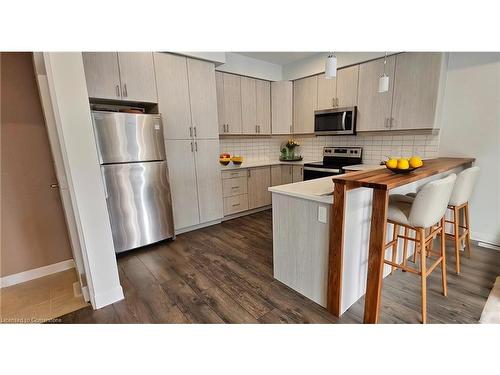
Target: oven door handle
x=322, y=170
x=343, y=119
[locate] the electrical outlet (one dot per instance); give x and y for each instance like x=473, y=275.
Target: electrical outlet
x=322, y=218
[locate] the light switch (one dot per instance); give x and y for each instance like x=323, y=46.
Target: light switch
x=322, y=214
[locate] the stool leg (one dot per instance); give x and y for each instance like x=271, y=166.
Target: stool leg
x=431, y=247
x=443, y=260
x=423, y=271
x=395, y=234
x=415, y=248
x=405, y=247
x=467, y=225
x=456, y=235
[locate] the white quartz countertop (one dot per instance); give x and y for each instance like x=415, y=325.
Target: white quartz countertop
x=319, y=189
x=262, y=163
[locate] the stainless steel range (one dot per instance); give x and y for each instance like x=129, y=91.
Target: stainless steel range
x=334, y=160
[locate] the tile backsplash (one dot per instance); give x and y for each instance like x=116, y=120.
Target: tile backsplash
x=375, y=147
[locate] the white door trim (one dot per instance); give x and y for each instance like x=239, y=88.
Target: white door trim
x=22, y=277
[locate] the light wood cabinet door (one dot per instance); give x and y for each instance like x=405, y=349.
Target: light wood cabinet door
x=286, y=174
x=137, y=76
x=232, y=103
x=102, y=75
x=347, y=86
x=182, y=172
x=305, y=100
x=248, y=106
x=203, y=97
x=374, y=108
x=259, y=180
x=209, y=182
x=416, y=87
x=219, y=84
x=298, y=173
x=327, y=92
x=263, y=100
x=282, y=107
x=173, y=95
x=275, y=175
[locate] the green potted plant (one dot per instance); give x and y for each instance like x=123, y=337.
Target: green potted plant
x=288, y=150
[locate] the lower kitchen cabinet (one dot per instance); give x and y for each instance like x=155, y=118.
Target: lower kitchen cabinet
x=298, y=173
x=259, y=180
x=235, y=204
x=286, y=174
x=195, y=181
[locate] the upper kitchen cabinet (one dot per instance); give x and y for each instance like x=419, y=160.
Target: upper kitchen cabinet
x=374, y=108
x=417, y=82
x=219, y=88
x=173, y=95
x=347, y=86
x=305, y=101
x=137, y=75
x=282, y=107
x=248, y=106
x=203, y=98
x=102, y=75
x=327, y=92
x=263, y=101
x=229, y=87
x=120, y=76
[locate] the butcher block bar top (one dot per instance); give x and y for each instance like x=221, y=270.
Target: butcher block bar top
x=381, y=181
x=384, y=179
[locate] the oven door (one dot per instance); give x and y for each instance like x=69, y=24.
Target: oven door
x=338, y=121
x=310, y=173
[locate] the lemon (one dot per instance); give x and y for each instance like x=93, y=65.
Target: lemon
x=416, y=162
x=403, y=164
x=391, y=163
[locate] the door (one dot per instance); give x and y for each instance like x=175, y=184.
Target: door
x=219, y=85
x=298, y=173
x=232, y=103
x=126, y=137
x=102, y=75
x=305, y=100
x=286, y=174
x=182, y=172
x=139, y=203
x=173, y=95
x=137, y=76
x=282, y=107
x=416, y=86
x=248, y=106
x=208, y=176
x=259, y=179
x=327, y=92
x=263, y=99
x=275, y=175
x=374, y=108
x=202, y=92
x=347, y=86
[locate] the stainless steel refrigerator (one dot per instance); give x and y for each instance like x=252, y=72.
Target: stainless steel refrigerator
x=135, y=174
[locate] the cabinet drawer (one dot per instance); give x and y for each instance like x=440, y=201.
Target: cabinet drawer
x=234, y=186
x=235, y=204
x=234, y=173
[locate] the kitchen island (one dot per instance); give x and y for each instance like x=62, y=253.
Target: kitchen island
x=307, y=225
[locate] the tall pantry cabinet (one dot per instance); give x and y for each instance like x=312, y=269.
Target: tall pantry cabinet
x=188, y=103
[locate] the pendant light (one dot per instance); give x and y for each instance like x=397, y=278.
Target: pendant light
x=383, y=81
x=331, y=66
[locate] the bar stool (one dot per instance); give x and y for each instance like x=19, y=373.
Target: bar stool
x=423, y=212
x=459, y=200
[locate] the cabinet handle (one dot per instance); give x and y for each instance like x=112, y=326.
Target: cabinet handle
x=236, y=204
x=248, y=173
x=125, y=93
x=118, y=91
x=196, y=146
x=228, y=128
x=333, y=102
x=191, y=131
x=259, y=128
x=191, y=146
x=386, y=122
x=195, y=131
x=235, y=187
x=392, y=122
x=256, y=128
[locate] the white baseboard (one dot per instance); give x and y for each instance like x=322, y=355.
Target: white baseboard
x=22, y=277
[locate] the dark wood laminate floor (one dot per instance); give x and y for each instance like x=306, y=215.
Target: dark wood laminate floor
x=223, y=274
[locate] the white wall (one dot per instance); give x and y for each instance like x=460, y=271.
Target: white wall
x=471, y=127
x=247, y=66
x=69, y=97
x=316, y=64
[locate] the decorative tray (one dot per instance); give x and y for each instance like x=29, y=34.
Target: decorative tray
x=299, y=158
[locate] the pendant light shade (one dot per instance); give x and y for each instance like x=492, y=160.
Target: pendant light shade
x=383, y=83
x=331, y=67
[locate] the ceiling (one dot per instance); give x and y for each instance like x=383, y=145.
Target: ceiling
x=280, y=58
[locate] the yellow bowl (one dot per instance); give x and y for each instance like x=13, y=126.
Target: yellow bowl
x=237, y=159
x=224, y=161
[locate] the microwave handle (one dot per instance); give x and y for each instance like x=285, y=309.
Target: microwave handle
x=343, y=119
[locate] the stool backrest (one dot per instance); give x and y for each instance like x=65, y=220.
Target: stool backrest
x=431, y=202
x=464, y=186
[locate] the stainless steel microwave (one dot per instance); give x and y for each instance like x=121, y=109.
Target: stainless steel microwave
x=336, y=121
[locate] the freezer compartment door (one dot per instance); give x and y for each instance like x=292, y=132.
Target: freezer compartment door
x=126, y=137
x=139, y=203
